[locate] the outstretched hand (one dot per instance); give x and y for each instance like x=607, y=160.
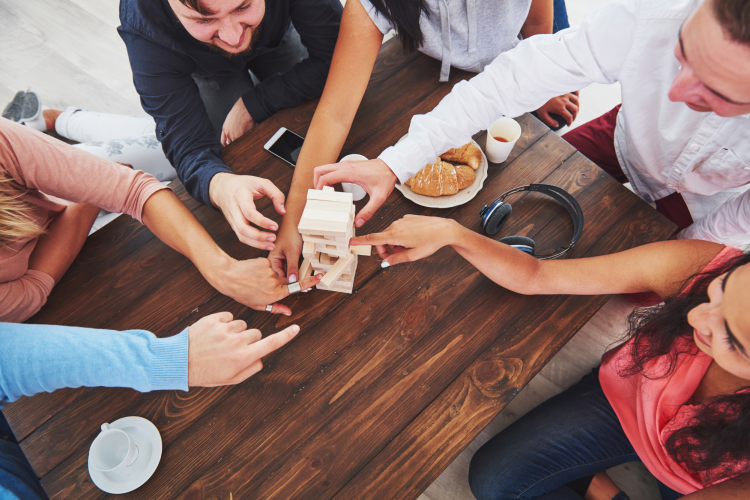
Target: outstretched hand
x=224, y=352
x=412, y=238
x=255, y=284
x=235, y=196
x=373, y=176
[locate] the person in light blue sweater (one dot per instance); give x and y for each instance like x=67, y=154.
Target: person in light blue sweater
x=214, y=351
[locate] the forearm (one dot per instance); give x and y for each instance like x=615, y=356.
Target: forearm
x=506, y=266
x=56, y=250
x=171, y=222
x=356, y=50
x=43, y=358
x=540, y=19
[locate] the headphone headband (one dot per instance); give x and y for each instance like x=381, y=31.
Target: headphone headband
x=562, y=197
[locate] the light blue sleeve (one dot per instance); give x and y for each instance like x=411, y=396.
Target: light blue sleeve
x=42, y=358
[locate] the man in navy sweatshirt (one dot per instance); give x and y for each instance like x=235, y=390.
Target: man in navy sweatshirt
x=191, y=62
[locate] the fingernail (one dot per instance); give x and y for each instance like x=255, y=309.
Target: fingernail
x=273, y=227
x=307, y=290
x=287, y=314
x=295, y=329
x=360, y=222
x=385, y=264
x=292, y=278
x=271, y=238
x=269, y=248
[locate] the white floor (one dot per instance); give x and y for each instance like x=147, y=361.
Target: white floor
x=69, y=52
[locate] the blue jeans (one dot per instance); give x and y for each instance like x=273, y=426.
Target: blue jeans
x=570, y=436
x=17, y=479
x=560, y=13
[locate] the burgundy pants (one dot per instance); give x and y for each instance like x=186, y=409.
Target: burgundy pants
x=596, y=140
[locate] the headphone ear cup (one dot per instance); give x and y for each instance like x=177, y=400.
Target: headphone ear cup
x=521, y=243
x=496, y=217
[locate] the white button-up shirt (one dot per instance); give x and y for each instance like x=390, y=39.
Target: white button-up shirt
x=662, y=146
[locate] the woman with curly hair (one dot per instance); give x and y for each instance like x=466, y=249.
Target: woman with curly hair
x=675, y=395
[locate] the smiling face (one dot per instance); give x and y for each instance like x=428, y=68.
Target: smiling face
x=228, y=25
x=714, y=70
x=722, y=326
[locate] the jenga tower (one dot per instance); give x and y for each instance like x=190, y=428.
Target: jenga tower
x=326, y=226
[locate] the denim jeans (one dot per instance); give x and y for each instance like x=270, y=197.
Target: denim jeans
x=560, y=21
x=570, y=436
x=17, y=479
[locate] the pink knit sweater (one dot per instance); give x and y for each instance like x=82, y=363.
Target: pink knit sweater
x=42, y=170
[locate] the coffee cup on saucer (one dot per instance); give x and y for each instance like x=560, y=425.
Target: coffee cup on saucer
x=357, y=192
x=124, y=455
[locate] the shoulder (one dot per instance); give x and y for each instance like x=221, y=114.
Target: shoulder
x=151, y=20
x=380, y=20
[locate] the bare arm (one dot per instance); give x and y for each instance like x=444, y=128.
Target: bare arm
x=731, y=489
x=250, y=282
x=357, y=48
x=658, y=267
x=540, y=18
x=58, y=247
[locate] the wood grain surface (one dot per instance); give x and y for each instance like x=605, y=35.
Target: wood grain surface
x=382, y=388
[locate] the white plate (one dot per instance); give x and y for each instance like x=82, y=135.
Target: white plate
x=148, y=440
x=451, y=200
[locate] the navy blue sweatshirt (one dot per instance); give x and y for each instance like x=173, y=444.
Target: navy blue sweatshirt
x=163, y=56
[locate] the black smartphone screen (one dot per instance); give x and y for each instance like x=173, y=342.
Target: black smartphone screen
x=287, y=147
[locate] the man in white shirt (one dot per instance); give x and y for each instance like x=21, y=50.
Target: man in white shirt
x=684, y=125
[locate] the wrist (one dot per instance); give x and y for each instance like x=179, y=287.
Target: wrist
x=454, y=233
x=215, y=265
x=215, y=188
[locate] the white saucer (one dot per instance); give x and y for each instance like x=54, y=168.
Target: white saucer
x=452, y=200
x=148, y=440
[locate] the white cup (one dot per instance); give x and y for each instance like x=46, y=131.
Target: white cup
x=112, y=450
x=507, y=128
x=357, y=192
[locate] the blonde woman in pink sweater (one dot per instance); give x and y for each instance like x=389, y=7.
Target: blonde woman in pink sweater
x=40, y=234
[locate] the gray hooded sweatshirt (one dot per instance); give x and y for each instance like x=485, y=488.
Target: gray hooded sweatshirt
x=467, y=34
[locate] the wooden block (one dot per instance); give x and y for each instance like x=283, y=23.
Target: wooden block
x=308, y=249
x=305, y=269
x=333, y=206
x=315, y=194
x=340, y=245
x=337, y=270
x=362, y=250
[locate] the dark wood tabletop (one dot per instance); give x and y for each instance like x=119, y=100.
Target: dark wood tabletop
x=382, y=388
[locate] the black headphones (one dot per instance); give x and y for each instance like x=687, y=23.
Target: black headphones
x=496, y=214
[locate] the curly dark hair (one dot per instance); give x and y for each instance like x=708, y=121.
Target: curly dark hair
x=717, y=438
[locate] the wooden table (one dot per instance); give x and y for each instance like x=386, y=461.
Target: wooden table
x=383, y=388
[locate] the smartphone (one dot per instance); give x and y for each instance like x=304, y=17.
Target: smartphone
x=286, y=145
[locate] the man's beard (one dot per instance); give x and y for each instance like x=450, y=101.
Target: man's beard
x=230, y=55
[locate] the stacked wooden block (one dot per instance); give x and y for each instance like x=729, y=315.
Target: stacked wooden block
x=326, y=226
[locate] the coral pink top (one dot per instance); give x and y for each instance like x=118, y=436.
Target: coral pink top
x=36, y=162
x=650, y=410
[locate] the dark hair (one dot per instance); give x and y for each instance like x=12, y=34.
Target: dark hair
x=717, y=438
x=197, y=6
x=734, y=17
x=404, y=15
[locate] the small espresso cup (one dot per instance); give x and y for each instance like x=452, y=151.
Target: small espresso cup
x=501, y=137
x=112, y=450
x=357, y=192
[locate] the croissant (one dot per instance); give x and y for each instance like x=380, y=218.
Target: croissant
x=436, y=179
x=465, y=176
x=468, y=154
